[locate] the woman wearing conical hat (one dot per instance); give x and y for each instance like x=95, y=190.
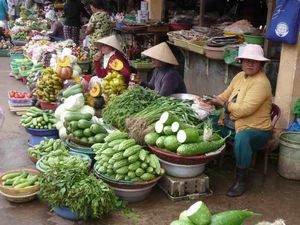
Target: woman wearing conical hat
x=110, y=52
x=165, y=78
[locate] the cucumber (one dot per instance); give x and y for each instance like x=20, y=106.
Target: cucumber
x=151, y=138
x=83, y=124
x=75, y=116
x=160, y=142
x=189, y=135
x=116, y=135
x=171, y=143
x=132, y=150
x=74, y=125
x=72, y=90
x=97, y=128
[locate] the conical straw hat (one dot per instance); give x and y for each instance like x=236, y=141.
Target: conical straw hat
x=111, y=41
x=161, y=52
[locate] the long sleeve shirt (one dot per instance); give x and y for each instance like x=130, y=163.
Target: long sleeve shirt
x=252, y=108
x=116, y=62
x=73, y=10
x=166, y=81
x=3, y=10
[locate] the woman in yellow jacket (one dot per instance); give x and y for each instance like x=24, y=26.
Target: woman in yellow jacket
x=247, y=102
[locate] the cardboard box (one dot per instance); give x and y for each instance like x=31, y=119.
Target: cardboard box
x=156, y=10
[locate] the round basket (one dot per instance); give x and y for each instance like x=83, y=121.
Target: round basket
x=19, y=191
x=214, y=52
x=19, y=199
x=185, y=160
x=48, y=105
x=79, y=142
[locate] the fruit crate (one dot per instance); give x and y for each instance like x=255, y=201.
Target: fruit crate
x=19, y=102
x=178, y=189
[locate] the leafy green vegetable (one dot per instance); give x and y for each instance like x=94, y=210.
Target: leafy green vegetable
x=74, y=187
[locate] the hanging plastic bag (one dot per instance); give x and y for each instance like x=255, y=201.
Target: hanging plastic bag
x=295, y=125
x=284, y=26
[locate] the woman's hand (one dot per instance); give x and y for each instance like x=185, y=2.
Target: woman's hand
x=216, y=101
x=98, y=56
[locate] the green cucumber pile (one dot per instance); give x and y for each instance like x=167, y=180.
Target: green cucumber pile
x=61, y=157
x=122, y=159
x=175, y=136
x=199, y=214
x=81, y=127
x=45, y=147
x=38, y=119
x=20, y=179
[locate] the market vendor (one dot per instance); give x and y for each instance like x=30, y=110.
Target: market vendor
x=110, y=52
x=99, y=25
x=247, y=102
x=165, y=78
x=57, y=28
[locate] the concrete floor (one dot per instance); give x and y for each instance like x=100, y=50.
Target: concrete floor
x=271, y=196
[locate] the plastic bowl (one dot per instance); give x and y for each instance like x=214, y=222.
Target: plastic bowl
x=132, y=195
x=41, y=132
x=254, y=39
x=186, y=160
x=66, y=213
x=182, y=171
x=38, y=167
x=81, y=150
x=180, y=26
x=123, y=184
x=17, y=192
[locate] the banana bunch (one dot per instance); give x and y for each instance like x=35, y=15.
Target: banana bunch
x=49, y=86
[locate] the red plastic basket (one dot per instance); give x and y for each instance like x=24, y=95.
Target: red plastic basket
x=48, y=105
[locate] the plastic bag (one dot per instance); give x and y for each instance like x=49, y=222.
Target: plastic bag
x=295, y=125
x=74, y=102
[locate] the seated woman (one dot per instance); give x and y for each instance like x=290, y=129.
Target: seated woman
x=165, y=79
x=57, y=28
x=110, y=52
x=247, y=102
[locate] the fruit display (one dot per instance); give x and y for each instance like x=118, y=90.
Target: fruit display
x=20, y=36
x=121, y=158
x=48, y=86
x=45, y=147
x=16, y=94
x=5, y=44
x=61, y=157
x=113, y=84
x=80, y=54
x=38, y=119
x=20, y=179
x=81, y=127
x=175, y=136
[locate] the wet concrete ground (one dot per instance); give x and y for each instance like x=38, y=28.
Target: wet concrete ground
x=272, y=196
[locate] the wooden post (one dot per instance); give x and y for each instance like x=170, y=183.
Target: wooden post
x=267, y=45
x=202, y=12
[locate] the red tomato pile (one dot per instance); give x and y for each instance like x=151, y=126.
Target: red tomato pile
x=16, y=94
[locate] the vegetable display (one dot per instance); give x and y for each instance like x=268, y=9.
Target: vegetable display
x=38, y=119
x=22, y=35
x=199, y=214
x=113, y=84
x=20, y=179
x=122, y=159
x=61, y=157
x=49, y=86
x=80, y=126
x=45, y=147
x=66, y=185
x=176, y=136
x=127, y=104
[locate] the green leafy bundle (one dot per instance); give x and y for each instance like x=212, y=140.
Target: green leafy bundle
x=127, y=104
x=77, y=189
x=296, y=109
